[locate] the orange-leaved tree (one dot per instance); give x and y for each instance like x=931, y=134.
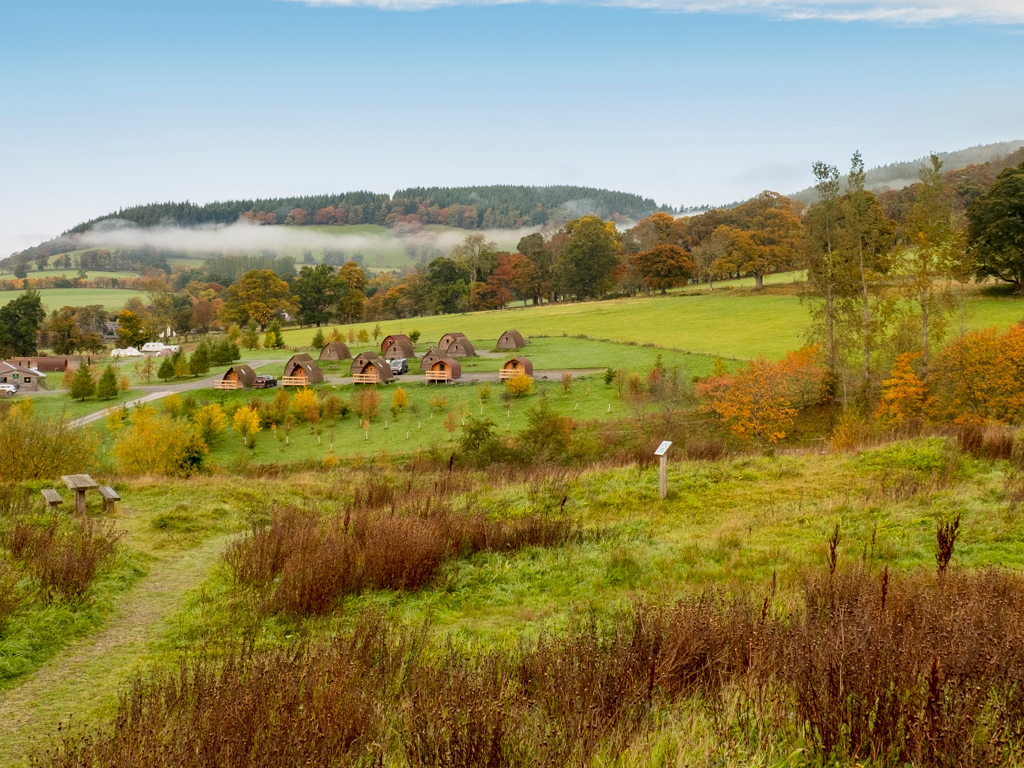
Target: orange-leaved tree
x=903, y=394
x=664, y=266
x=760, y=401
x=979, y=377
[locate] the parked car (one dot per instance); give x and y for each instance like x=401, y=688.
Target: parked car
x=399, y=366
x=265, y=382
x=8, y=390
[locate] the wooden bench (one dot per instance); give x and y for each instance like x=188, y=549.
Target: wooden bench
x=110, y=497
x=52, y=498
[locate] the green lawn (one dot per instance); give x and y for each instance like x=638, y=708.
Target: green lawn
x=111, y=299
x=52, y=406
x=89, y=274
x=738, y=323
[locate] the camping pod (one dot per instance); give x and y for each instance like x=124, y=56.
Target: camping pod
x=447, y=339
x=515, y=367
x=359, y=361
x=303, y=357
x=43, y=364
x=396, y=346
x=301, y=373
x=443, y=369
x=432, y=356
x=373, y=371
x=236, y=377
x=336, y=350
x=461, y=348
x=511, y=340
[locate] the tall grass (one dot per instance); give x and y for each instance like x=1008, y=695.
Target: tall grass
x=865, y=667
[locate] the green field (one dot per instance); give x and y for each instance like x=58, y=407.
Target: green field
x=112, y=299
x=740, y=324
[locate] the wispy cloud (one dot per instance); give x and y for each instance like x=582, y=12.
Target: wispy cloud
x=885, y=11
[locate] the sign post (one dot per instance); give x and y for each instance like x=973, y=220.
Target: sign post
x=663, y=469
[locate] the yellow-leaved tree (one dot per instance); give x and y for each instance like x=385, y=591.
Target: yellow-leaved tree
x=153, y=443
x=247, y=424
x=903, y=394
x=210, y=421
x=306, y=406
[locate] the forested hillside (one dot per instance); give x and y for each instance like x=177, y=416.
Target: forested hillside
x=896, y=176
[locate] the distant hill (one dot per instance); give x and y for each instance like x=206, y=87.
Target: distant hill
x=899, y=175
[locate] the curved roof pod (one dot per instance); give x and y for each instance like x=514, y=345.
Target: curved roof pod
x=399, y=346
x=391, y=338
x=462, y=347
x=242, y=373
x=359, y=361
x=447, y=365
x=378, y=366
x=304, y=357
x=430, y=358
x=511, y=340
x=516, y=366
x=306, y=369
x=336, y=350
x=448, y=338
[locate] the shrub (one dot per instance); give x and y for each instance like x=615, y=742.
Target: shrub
x=519, y=385
x=154, y=444
x=210, y=422
x=36, y=449
x=306, y=407
x=400, y=399
x=246, y=422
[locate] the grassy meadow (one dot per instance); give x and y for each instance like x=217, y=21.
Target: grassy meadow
x=111, y=299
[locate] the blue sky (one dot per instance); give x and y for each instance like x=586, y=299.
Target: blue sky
x=107, y=104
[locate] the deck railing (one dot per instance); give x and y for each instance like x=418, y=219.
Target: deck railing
x=293, y=381
x=430, y=376
x=508, y=373
x=228, y=384
x=365, y=378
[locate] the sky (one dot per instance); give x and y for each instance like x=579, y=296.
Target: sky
x=112, y=103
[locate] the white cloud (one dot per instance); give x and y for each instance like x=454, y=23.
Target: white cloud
x=886, y=11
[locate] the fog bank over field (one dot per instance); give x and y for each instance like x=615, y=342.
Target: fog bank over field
x=244, y=237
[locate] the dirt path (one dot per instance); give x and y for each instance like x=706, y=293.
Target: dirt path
x=82, y=682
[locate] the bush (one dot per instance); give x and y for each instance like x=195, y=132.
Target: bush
x=37, y=449
x=519, y=385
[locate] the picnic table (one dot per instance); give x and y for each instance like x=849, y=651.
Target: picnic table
x=79, y=484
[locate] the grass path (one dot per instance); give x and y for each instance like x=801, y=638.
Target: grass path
x=81, y=683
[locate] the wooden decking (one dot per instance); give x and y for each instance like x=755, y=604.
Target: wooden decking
x=222, y=384
x=430, y=376
x=508, y=373
x=294, y=381
x=365, y=378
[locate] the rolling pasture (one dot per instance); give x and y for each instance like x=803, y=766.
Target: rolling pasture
x=112, y=299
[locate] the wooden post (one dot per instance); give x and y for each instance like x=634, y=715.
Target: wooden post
x=663, y=468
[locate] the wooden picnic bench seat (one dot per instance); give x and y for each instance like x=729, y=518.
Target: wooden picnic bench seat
x=52, y=497
x=110, y=497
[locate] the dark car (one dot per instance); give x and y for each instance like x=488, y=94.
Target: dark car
x=265, y=382
x=399, y=366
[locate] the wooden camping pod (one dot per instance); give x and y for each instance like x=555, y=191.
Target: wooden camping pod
x=375, y=371
x=303, y=357
x=430, y=358
x=461, y=348
x=511, y=340
x=397, y=345
x=236, y=377
x=515, y=367
x=301, y=373
x=447, y=339
x=443, y=369
x=336, y=350
x=359, y=361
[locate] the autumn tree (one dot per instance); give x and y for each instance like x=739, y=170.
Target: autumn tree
x=210, y=421
x=979, y=377
x=476, y=255
x=63, y=335
x=711, y=258
x=929, y=257
x=903, y=394
x=153, y=444
x=131, y=331
x=585, y=267
x=246, y=422
x=764, y=233
x=351, y=301
x=664, y=266
x=260, y=295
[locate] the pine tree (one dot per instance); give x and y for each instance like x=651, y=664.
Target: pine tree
x=251, y=336
x=166, y=369
x=201, y=355
x=82, y=385
x=274, y=338
x=318, y=339
x=106, y=388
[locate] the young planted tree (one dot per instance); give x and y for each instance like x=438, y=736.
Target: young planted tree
x=210, y=421
x=106, y=387
x=251, y=336
x=82, y=385
x=318, y=339
x=274, y=338
x=247, y=423
x=166, y=369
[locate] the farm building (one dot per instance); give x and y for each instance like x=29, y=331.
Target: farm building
x=301, y=373
x=359, y=361
x=511, y=340
x=444, y=369
x=461, y=348
x=26, y=378
x=336, y=350
x=447, y=339
x=45, y=364
x=397, y=345
x=515, y=367
x=301, y=357
x=236, y=377
x=373, y=371
x=432, y=356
